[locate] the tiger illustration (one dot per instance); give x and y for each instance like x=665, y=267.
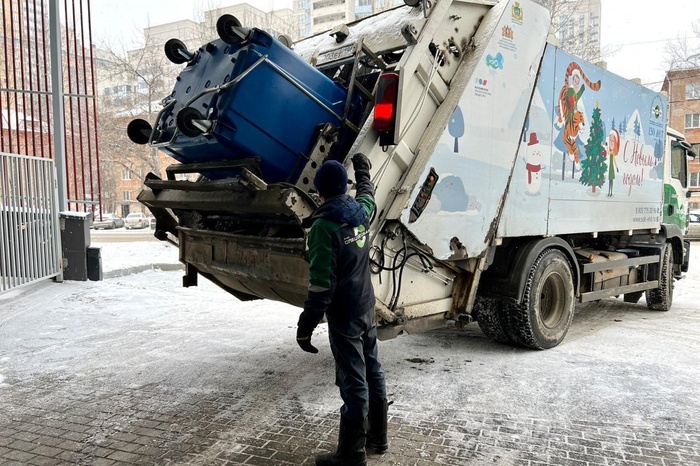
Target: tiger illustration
x=571, y=117
x=570, y=95
x=574, y=126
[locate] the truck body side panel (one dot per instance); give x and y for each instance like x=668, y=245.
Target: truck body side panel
x=474, y=157
x=614, y=127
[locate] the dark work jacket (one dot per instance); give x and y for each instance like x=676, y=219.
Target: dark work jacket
x=338, y=243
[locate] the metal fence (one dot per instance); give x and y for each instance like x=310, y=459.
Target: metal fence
x=30, y=243
x=28, y=93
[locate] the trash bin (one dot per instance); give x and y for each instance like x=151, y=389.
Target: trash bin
x=94, y=263
x=75, y=239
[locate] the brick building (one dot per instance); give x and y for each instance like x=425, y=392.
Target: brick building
x=683, y=89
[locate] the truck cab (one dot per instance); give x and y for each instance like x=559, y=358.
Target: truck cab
x=676, y=194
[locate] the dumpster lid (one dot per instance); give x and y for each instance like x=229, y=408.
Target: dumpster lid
x=75, y=215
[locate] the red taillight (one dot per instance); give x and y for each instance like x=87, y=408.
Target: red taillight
x=385, y=102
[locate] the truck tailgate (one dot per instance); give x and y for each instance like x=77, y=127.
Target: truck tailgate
x=271, y=268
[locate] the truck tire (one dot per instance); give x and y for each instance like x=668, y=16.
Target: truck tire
x=544, y=316
x=661, y=298
x=488, y=313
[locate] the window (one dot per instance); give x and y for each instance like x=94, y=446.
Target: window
x=329, y=18
x=692, y=120
x=593, y=19
x=692, y=91
x=694, y=180
x=126, y=195
x=679, y=164
x=126, y=174
x=327, y=3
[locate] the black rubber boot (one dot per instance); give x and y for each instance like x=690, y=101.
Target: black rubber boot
x=351, y=446
x=377, y=437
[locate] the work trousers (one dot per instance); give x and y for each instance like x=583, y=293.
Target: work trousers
x=358, y=372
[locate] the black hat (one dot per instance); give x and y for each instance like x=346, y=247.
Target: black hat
x=331, y=179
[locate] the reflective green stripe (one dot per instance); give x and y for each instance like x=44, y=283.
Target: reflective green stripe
x=367, y=202
x=321, y=253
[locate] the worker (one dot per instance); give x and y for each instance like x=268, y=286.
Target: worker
x=340, y=286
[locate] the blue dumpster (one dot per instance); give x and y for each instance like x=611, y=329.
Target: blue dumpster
x=259, y=98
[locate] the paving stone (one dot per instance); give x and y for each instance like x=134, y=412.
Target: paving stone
x=55, y=421
x=19, y=456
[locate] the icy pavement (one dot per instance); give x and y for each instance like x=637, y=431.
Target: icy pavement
x=136, y=369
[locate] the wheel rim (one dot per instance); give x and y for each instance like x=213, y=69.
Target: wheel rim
x=552, y=300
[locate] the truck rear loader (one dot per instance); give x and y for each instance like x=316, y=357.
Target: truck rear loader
x=513, y=180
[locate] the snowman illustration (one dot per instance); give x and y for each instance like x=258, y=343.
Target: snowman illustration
x=533, y=165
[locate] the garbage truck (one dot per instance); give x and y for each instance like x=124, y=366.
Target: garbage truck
x=513, y=179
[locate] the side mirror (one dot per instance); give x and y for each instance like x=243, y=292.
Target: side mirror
x=689, y=152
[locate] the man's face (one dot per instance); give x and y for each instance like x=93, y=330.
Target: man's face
x=577, y=82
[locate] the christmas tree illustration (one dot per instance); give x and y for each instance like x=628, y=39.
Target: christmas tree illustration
x=594, y=168
x=637, y=129
x=658, y=149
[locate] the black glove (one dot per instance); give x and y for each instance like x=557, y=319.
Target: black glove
x=304, y=342
x=304, y=332
x=361, y=162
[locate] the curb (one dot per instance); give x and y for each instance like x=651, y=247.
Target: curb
x=142, y=268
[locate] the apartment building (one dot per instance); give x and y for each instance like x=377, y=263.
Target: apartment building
x=21, y=51
x=576, y=25
x=317, y=16
x=683, y=89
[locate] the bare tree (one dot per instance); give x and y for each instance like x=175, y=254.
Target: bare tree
x=682, y=61
x=140, y=79
x=683, y=52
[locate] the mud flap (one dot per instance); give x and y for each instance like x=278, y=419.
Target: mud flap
x=686, y=256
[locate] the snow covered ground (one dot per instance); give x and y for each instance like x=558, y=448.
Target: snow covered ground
x=620, y=364
x=608, y=344
x=131, y=257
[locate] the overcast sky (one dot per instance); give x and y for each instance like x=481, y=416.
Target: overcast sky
x=636, y=29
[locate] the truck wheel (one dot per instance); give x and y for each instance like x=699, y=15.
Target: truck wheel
x=543, y=318
x=661, y=298
x=488, y=313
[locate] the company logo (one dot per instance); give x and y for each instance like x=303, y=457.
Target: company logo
x=508, y=32
x=358, y=237
x=495, y=62
x=481, y=87
x=657, y=116
x=517, y=11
